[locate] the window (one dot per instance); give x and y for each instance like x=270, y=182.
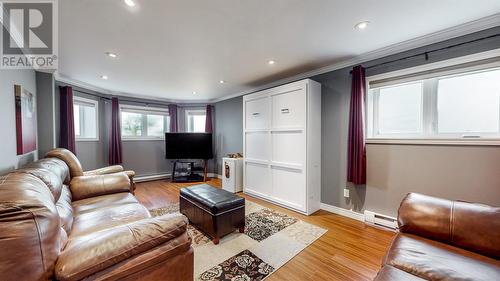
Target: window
x=139, y=122
x=86, y=119
x=195, y=120
x=462, y=105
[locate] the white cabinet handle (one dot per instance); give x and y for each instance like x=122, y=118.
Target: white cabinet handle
x=285, y=110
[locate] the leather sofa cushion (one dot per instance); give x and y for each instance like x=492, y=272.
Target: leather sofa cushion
x=75, y=168
x=51, y=180
x=433, y=260
x=95, y=203
x=391, y=273
x=212, y=199
x=92, y=186
x=91, y=253
x=56, y=166
x=471, y=226
x=99, y=217
x=65, y=209
x=29, y=228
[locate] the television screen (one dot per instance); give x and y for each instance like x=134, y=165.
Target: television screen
x=188, y=145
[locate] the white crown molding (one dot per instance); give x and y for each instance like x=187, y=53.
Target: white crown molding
x=432, y=38
x=65, y=79
x=439, y=36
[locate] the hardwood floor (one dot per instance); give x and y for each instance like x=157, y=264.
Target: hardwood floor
x=350, y=250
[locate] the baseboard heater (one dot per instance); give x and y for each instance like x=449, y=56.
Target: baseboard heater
x=381, y=220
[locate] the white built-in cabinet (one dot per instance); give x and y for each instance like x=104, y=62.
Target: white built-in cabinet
x=282, y=145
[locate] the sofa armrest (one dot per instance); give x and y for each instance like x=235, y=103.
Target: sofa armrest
x=474, y=227
x=91, y=186
x=92, y=253
x=104, y=171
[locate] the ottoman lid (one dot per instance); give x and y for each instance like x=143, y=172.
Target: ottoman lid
x=213, y=199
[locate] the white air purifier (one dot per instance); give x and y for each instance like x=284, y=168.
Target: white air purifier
x=232, y=174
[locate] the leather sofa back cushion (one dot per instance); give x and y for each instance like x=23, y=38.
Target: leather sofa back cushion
x=470, y=226
x=65, y=209
x=55, y=165
x=51, y=180
x=75, y=168
x=29, y=232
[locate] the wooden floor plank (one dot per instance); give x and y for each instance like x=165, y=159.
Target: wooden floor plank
x=350, y=250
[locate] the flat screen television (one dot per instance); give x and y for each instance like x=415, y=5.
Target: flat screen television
x=188, y=146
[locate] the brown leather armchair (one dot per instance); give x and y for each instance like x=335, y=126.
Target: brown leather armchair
x=440, y=239
x=57, y=227
x=76, y=170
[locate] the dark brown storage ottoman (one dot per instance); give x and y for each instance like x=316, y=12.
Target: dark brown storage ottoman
x=214, y=211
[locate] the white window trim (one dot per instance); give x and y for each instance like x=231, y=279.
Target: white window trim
x=189, y=112
x=425, y=138
x=77, y=99
x=143, y=110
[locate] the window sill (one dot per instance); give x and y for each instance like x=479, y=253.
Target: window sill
x=473, y=142
x=86, y=140
x=143, y=139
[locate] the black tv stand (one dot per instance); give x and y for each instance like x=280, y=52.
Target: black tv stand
x=191, y=174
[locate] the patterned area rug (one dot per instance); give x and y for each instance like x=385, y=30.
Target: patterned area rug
x=270, y=240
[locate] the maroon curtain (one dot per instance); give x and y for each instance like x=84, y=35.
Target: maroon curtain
x=172, y=112
x=356, y=152
x=115, y=138
x=67, y=119
x=208, y=121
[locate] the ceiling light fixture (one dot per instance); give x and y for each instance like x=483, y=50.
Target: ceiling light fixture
x=105, y=77
x=194, y=92
x=271, y=62
x=111, y=55
x=129, y=3
x=362, y=25
x=222, y=81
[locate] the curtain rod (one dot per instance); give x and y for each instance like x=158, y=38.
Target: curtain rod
x=426, y=53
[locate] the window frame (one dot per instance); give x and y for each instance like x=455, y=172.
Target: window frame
x=430, y=135
x=77, y=100
x=189, y=112
x=145, y=111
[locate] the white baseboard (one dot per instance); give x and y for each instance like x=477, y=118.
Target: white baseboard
x=343, y=212
x=166, y=176
x=152, y=177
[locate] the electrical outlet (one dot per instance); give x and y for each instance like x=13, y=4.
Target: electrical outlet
x=346, y=193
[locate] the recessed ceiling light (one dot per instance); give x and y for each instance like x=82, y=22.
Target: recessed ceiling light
x=222, y=81
x=362, y=25
x=105, y=77
x=129, y=3
x=111, y=55
x=271, y=62
x=194, y=92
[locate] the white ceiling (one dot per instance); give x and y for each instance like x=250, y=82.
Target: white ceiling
x=169, y=48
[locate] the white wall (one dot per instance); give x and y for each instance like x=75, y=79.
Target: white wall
x=9, y=159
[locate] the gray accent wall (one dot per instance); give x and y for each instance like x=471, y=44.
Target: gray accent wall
x=9, y=159
x=455, y=172
x=229, y=128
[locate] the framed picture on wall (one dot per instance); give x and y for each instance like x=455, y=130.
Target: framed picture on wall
x=25, y=120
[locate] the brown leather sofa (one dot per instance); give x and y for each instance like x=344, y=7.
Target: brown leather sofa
x=440, y=239
x=59, y=224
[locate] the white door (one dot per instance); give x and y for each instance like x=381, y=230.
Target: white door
x=257, y=113
x=289, y=109
x=257, y=179
x=289, y=187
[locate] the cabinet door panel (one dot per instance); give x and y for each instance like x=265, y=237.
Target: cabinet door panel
x=257, y=179
x=289, y=147
x=289, y=187
x=257, y=113
x=289, y=109
x=257, y=146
